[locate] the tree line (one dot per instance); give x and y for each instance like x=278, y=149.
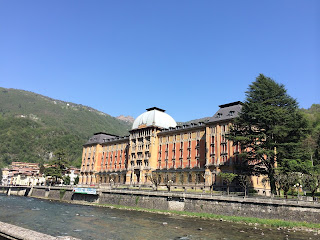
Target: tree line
x=277, y=139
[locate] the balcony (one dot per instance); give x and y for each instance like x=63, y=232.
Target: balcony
x=138, y=167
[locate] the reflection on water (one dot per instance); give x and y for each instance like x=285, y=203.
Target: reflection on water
x=88, y=222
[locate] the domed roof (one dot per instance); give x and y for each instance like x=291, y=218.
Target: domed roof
x=154, y=117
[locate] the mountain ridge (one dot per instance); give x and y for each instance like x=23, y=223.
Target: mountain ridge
x=34, y=126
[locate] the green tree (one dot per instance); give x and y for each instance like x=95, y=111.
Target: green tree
x=286, y=181
x=42, y=168
x=58, y=166
x=311, y=143
x=311, y=181
x=269, y=129
x=227, y=178
x=76, y=180
x=244, y=181
x=66, y=180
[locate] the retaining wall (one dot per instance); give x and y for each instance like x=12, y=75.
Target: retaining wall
x=225, y=205
x=221, y=205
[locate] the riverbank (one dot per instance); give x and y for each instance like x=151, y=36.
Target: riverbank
x=251, y=221
x=276, y=223
x=264, y=211
x=57, y=218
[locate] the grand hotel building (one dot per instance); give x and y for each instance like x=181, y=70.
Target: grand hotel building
x=184, y=155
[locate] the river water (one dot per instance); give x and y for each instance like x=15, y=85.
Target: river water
x=89, y=222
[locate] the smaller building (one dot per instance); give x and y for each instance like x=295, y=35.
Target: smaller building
x=28, y=174
x=6, y=176
x=24, y=174
x=73, y=173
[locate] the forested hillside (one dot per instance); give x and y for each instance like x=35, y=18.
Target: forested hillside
x=33, y=126
x=311, y=143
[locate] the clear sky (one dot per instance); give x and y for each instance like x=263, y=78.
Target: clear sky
x=187, y=57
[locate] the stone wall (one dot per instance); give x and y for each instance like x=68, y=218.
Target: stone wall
x=271, y=210
x=68, y=195
x=4, y=189
x=54, y=194
x=39, y=192
x=134, y=200
x=292, y=210
x=15, y=190
x=221, y=205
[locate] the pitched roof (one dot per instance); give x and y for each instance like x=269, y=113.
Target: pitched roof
x=100, y=137
x=227, y=111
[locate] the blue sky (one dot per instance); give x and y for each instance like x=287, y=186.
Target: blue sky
x=187, y=57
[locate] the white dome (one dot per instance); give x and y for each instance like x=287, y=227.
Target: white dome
x=154, y=117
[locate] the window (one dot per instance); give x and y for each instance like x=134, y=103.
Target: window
x=236, y=148
x=212, y=150
x=189, y=178
x=174, y=179
x=174, y=151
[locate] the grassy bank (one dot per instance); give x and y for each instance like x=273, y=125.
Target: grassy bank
x=246, y=220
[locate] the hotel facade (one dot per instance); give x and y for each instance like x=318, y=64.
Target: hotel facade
x=157, y=151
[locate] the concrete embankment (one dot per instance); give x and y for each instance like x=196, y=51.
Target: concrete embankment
x=12, y=232
x=266, y=208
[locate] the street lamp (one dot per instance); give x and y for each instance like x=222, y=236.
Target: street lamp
x=111, y=182
x=297, y=186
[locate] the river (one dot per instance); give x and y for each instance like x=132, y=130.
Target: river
x=89, y=222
